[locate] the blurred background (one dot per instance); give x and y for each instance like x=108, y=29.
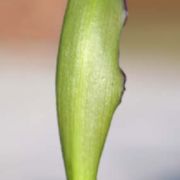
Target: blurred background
x=144, y=139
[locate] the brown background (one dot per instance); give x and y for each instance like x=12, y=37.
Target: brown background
x=41, y=19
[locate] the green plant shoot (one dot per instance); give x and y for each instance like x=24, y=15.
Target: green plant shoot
x=89, y=81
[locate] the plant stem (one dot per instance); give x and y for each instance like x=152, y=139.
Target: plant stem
x=89, y=82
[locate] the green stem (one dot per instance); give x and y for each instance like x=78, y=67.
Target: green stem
x=89, y=82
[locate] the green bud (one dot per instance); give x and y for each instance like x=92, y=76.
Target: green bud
x=89, y=81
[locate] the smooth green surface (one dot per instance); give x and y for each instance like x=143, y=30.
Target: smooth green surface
x=89, y=82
